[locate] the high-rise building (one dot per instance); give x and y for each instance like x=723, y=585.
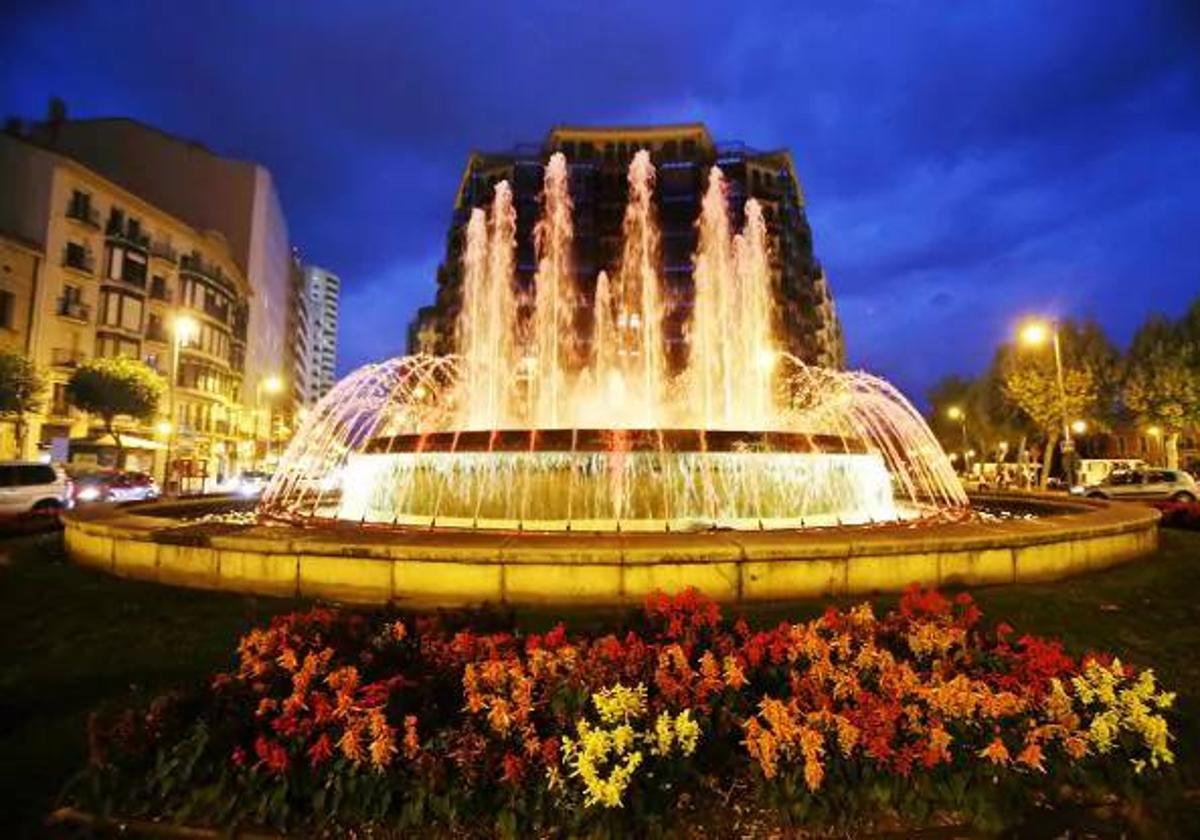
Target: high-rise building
x=89, y=269
x=322, y=289
x=806, y=323
x=209, y=192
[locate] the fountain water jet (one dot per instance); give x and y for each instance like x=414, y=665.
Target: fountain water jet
x=522, y=430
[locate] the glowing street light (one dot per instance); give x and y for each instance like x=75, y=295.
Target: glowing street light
x=1154, y=431
x=184, y=329
x=956, y=413
x=1034, y=334
x=1079, y=427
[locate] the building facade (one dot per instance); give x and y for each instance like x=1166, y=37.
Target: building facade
x=107, y=273
x=207, y=191
x=322, y=293
x=807, y=323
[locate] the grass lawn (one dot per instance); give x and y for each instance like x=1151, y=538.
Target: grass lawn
x=71, y=639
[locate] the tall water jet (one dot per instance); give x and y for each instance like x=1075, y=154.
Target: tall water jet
x=751, y=322
x=604, y=361
x=640, y=298
x=708, y=360
x=483, y=331
x=554, y=293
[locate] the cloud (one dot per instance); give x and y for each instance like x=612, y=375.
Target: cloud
x=962, y=162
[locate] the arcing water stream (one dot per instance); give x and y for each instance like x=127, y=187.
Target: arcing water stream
x=533, y=425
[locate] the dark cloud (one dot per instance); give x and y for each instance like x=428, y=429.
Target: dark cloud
x=963, y=162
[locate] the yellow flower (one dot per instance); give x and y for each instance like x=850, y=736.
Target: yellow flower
x=620, y=703
x=687, y=731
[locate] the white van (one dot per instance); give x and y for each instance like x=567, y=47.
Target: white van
x=32, y=487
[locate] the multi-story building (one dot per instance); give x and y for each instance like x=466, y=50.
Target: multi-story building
x=683, y=154
x=322, y=290
x=300, y=333
x=115, y=275
x=208, y=192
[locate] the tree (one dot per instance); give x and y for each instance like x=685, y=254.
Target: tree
x=1161, y=386
x=21, y=388
x=112, y=387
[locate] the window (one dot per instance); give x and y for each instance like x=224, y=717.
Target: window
x=120, y=310
x=158, y=287
x=77, y=256
x=111, y=346
x=7, y=303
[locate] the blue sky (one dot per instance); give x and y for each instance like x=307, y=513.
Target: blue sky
x=964, y=162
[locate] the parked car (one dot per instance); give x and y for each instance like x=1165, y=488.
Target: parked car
x=251, y=483
x=33, y=487
x=1146, y=484
x=115, y=486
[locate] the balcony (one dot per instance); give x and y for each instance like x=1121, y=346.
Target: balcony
x=67, y=357
x=85, y=214
x=157, y=334
x=164, y=251
x=127, y=234
x=74, y=309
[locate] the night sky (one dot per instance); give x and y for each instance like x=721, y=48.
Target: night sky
x=964, y=162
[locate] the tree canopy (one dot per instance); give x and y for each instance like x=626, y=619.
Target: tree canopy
x=21, y=388
x=109, y=388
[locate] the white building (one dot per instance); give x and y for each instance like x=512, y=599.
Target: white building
x=322, y=289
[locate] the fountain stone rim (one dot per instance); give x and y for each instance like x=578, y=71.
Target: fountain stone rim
x=615, y=439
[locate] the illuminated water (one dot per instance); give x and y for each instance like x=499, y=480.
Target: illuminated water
x=572, y=418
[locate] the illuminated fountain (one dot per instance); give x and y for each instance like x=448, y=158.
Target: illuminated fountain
x=573, y=418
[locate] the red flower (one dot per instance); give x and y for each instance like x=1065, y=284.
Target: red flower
x=514, y=769
x=321, y=750
x=272, y=754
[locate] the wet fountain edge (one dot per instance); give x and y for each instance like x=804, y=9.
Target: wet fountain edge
x=351, y=563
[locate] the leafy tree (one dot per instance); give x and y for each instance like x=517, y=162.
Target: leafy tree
x=112, y=387
x=21, y=389
x=1161, y=386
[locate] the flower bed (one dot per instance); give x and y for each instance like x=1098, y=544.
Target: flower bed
x=925, y=715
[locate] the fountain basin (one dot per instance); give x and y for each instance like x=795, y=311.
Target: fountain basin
x=368, y=564
x=610, y=480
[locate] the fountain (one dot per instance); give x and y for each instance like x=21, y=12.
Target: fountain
x=575, y=449
x=529, y=428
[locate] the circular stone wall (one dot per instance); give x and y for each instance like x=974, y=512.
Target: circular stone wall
x=349, y=562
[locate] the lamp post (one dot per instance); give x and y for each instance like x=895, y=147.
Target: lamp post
x=1034, y=334
x=954, y=412
x=183, y=329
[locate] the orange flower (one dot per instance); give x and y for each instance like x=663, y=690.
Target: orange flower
x=287, y=660
x=351, y=744
x=1031, y=757
x=383, y=747
x=734, y=678
x=995, y=752
x=411, y=744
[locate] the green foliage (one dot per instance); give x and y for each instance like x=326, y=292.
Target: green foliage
x=1161, y=385
x=21, y=384
x=112, y=387
x=21, y=389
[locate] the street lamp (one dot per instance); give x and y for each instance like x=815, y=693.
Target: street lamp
x=1034, y=334
x=183, y=329
x=954, y=412
x=1079, y=427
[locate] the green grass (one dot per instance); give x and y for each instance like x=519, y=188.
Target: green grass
x=71, y=639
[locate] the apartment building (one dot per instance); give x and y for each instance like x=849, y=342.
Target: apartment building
x=97, y=270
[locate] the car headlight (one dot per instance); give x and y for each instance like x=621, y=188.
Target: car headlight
x=89, y=494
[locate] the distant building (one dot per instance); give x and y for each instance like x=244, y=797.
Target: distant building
x=322, y=291
x=89, y=268
x=300, y=333
x=208, y=192
x=683, y=154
